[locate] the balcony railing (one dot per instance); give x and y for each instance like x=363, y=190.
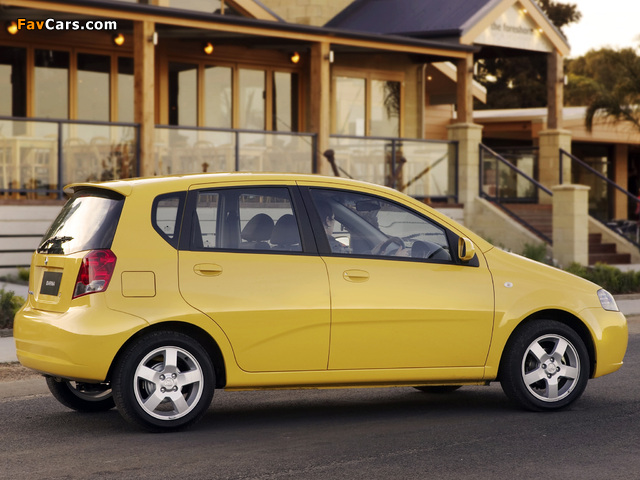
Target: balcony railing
x=601, y=193
x=38, y=157
x=199, y=149
x=425, y=169
x=508, y=187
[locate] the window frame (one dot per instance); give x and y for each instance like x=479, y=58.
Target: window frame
x=307, y=240
x=369, y=76
x=269, y=72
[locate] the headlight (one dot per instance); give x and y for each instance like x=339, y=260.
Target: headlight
x=607, y=301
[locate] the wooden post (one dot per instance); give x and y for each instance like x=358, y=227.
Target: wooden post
x=144, y=91
x=555, y=89
x=465, y=90
x=320, y=102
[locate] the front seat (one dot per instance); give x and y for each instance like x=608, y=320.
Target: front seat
x=285, y=234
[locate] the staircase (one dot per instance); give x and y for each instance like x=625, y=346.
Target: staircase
x=538, y=219
x=605, y=252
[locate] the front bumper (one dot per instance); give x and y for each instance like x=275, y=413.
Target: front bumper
x=611, y=335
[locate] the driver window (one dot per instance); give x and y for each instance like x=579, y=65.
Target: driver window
x=357, y=224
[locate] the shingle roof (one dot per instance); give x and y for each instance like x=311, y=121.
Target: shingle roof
x=421, y=18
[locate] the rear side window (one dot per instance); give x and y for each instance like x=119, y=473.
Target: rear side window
x=88, y=221
x=251, y=219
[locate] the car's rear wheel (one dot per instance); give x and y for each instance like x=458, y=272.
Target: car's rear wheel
x=83, y=397
x=163, y=381
x=545, y=366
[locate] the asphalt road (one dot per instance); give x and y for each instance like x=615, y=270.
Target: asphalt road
x=392, y=433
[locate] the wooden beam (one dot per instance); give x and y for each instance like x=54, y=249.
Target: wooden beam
x=320, y=101
x=250, y=30
x=465, y=90
x=144, y=92
x=555, y=89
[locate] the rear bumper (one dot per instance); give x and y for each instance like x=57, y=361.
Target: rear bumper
x=79, y=344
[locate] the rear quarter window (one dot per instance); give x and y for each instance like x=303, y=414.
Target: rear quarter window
x=166, y=215
x=88, y=221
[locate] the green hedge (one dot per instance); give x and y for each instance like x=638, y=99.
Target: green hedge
x=610, y=278
x=10, y=303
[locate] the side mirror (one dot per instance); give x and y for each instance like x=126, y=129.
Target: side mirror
x=466, y=250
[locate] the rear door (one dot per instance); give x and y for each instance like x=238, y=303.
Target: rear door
x=248, y=261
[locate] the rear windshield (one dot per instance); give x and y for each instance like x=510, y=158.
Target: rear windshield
x=88, y=221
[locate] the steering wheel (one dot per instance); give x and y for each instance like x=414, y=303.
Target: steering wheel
x=381, y=249
x=426, y=250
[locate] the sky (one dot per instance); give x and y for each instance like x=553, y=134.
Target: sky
x=604, y=23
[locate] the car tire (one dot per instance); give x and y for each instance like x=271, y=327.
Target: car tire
x=438, y=389
x=545, y=366
x=82, y=397
x=163, y=381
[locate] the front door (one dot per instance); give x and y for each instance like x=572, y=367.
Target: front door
x=400, y=299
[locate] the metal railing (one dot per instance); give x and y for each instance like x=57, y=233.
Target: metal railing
x=39, y=156
x=181, y=149
x=505, y=185
x=600, y=194
x=424, y=169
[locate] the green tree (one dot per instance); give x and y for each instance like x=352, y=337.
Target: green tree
x=608, y=82
x=521, y=82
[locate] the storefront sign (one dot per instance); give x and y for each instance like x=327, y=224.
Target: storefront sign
x=515, y=29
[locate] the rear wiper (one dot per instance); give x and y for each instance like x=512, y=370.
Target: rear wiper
x=53, y=244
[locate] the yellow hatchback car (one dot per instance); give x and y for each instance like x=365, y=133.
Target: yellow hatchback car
x=149, y=294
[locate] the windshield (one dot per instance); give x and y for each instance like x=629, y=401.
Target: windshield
x=88, y=221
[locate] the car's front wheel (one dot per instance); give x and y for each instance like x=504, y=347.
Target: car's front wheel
x=545, y=366
x=163, y=381
x=83, y=397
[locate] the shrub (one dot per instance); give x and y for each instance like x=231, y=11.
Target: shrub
x=535, y=252
x=10, y=303
x=610, y=278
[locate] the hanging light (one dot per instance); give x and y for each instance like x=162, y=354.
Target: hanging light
x=295, y=57
x=118, y=39
x=12, y=27
x=208, y=48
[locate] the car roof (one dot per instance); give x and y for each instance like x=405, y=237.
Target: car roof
x=185, y=181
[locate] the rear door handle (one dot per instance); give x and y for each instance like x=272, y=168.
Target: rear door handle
x=356, y=276
x=207, y=269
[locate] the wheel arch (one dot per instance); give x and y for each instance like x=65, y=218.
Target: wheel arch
x=567, y=319
x=198, y=334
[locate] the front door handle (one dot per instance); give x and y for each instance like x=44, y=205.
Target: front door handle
x=356, y=276
x=207, y=269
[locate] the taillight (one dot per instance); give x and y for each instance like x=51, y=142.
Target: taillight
x=95, y=272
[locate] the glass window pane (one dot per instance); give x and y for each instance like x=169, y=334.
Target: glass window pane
x=217, y=96
x=359, y=224
x=267, y=221
x=93, y=87
x=349, y=106
x=51, y=77
x=13, y=71
x=125, y=89
x=183, y=94
x=252, y=99
x=285, y=102
x=385, y=108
